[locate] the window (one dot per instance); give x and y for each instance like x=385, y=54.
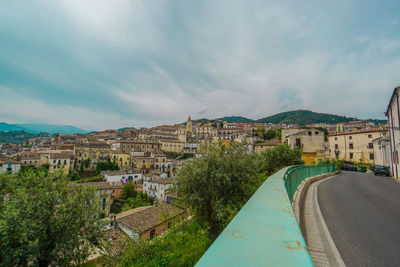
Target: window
x=351, y=146
x=316, y=133
x=335, y=138
x=370, y=145
x=152, y=233
x=336, y=146
x=371, y=156
x=351, y=155
x=298, y=142
x=370, y=136
x=309, y=133
x=350, y=137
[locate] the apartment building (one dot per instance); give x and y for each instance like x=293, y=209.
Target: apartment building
x=356, y=146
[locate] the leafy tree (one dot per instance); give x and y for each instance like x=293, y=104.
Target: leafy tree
x=278, y=157
x=46, y=220
x=128, y=191
x=106, y=166
x=46, y=166
x=261, y=131
x=216, y=186
x=74, y=176
x=86, y=163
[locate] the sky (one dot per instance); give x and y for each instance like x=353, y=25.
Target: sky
x=108, y=64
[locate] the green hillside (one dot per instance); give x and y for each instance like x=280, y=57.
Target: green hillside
x=17, y=137
x=303, y=117
x=236, y=119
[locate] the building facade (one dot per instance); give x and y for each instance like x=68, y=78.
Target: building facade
x=393, y=115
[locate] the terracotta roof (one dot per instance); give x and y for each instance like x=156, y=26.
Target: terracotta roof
x=143, y=219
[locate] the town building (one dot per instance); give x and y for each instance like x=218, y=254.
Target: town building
x=382, y=151
x=106, y=193
x=310, y=140
x=393, y=115
x=356, y=146
x=260, y=147
x=9, y=166
x=123, y=176
x=149, y=221
x=157, y=187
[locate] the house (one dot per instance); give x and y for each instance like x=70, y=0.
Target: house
x=9, y=166
x=123, y=160
x=310, y=140
x=123, y=176
x=393, y=115
x=353, y=126
x=356, y=146
x=259, y=148
x=106, y=193
x=149, y=221
x=92, y=152
x=382, y=151
x=157, y=187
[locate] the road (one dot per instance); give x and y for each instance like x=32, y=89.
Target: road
x=362, y=212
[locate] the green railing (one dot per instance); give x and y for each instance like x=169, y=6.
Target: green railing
x=265, y=231
x=295, y=175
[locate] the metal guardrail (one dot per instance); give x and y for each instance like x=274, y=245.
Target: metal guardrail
x=265, y=231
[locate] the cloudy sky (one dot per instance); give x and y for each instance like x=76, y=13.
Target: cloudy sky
x=107, y=64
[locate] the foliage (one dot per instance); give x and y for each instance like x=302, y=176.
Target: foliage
x=274, y=159
x=304, y=117
x=236, y=119
x=182, y=245
x=216, y=186
x=185, y=156
x=86, y=163
x=46, y=220
x=17, y=137
x=128, y=191
x=139, y=200
x=267, y=135
x=106, y=166
x=46, y=166
x=74, y=176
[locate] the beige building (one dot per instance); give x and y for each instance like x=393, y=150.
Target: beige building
x=259, y=148
x=311, y=141
x=354, y=146
x=353, y=126
x=382, y=151
x=393, y=115
x=172, y=145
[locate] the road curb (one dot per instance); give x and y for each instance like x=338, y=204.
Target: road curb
x=300, y=194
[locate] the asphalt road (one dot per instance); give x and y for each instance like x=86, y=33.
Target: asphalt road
x=362, y=212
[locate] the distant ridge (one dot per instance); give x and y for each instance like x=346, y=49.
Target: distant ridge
x=6, y=127
x=41, y=128
x=301, y=117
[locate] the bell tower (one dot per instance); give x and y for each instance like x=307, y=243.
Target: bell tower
x=189, y=127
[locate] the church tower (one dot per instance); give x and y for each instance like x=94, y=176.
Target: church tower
x=189, y=127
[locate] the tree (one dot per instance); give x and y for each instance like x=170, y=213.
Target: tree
x=278, y=157
x=46, y=220
x=128, y=191
x=216, y=186
x=106, y=166
x=86, y=163
x=261, y=131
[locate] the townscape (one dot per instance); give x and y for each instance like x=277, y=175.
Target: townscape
x=199, y=133
x=150, y=158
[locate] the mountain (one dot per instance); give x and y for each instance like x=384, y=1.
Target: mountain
x=53, y=128
x=17, y=137
x=304, y=117
x=236, y=119
x=6, y=127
